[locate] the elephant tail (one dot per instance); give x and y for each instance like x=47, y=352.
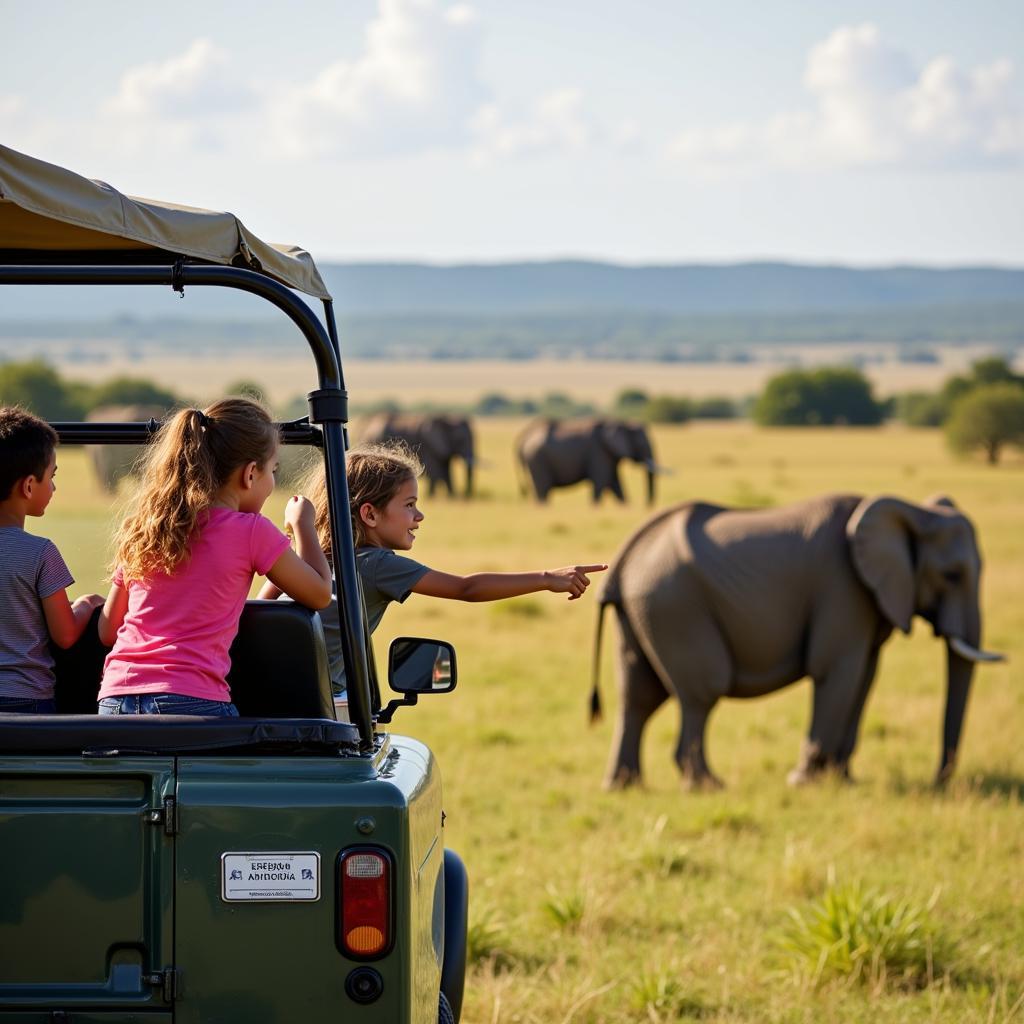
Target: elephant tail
x=595, y=693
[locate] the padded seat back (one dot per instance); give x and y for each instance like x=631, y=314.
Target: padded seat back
x=279, y=663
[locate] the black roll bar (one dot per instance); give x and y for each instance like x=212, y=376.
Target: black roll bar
x=328, y=407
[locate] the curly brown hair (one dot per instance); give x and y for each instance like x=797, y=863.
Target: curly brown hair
x=375, y=472
x=191, y=458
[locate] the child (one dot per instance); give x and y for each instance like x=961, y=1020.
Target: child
x=383, y=491
x=33, y=576
x=185, y=559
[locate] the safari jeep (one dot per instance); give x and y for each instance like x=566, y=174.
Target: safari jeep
x=283, y=866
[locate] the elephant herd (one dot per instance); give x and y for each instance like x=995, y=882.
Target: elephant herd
x=715, y=602
x=551, y=453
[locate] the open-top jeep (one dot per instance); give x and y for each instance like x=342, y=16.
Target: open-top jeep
x=278, y=867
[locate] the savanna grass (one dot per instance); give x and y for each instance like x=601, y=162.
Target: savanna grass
x=691, y=889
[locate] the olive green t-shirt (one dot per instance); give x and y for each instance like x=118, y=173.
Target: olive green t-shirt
x=385, y=577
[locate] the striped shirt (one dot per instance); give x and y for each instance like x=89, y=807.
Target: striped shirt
x=31, y=568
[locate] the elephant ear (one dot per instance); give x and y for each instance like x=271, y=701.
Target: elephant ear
x=881, y=532
x=434, y=438
x=615, y=438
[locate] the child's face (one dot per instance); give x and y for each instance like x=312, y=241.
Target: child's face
x=394, y=526
x=42, y=489
x=262, y=485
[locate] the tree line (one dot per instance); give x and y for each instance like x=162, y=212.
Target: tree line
x=980, y=410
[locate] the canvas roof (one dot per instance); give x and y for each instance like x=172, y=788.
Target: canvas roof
x=46, y=208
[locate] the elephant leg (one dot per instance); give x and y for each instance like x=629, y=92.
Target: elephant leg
x=641, y=693
x=849, y=743
x=615, y=486
x=838, y=694
x=690, y=750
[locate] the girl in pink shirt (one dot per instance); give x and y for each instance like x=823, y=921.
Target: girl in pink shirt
x=185, y=559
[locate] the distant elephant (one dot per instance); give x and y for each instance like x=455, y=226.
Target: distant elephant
x=113, y=462
x=715, y=602
x=559, y=453
x=437, y=440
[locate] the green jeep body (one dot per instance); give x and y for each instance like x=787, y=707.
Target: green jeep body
x=158, y=869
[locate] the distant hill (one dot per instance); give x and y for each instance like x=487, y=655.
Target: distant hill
x=585, y=287
x=568, y=286
x=576, y=307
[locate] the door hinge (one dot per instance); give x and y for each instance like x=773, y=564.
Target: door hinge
x=168, y=981
x=166, y=816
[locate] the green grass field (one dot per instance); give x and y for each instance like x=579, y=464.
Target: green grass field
x=660, y=905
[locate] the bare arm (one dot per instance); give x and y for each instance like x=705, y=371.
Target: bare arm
x=494, y=586
x=113, y=614
x=65, y=621
x=303, y=574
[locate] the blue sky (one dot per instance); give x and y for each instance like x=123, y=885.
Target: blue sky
x=864, y=133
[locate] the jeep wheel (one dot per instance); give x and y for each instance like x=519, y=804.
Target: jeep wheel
x=444, y=1011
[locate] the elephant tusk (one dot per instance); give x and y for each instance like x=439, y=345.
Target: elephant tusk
x=969, y=653
x=653, y=467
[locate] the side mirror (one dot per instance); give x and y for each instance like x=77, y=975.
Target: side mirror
x=418, y=666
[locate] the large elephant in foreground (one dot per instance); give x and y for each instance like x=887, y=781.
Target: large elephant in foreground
x=559, y=453
x=437, y=440
x=113, y=462
x=715, y=602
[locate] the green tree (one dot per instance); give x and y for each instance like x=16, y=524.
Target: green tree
x=131, y=391
x=37, y=386
x=987, y=417
x=830, y=395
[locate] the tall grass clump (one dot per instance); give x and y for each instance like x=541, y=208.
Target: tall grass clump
x=863, y=935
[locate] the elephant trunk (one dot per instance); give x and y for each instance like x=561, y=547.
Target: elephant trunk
x=469, y=477
x=650, y=483
x=959, y=672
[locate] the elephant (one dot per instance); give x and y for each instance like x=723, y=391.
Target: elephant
x=113, y=462
x=558, y=453
x=437, y=440
x=715, y=602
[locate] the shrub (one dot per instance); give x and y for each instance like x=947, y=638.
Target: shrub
x=714, y=408
x=921, y=409
x=131, y=391
x=36, y=386
x=864, y=935
x=804, y=398
x=987, y=417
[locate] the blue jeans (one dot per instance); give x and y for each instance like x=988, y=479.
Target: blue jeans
x=166, y=704
x=27, y=706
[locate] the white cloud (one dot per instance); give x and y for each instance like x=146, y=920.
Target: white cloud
x=415, y=86
x=192, y=102
x=199, y=83
x=558, y=123
x=873, y=105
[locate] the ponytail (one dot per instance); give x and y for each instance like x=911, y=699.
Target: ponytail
x=188, y=462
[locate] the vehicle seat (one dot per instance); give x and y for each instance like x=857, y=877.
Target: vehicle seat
x=279, y=665
x=78, y=670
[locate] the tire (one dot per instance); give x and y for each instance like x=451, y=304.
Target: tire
x=444, y=1011
x=456, y=912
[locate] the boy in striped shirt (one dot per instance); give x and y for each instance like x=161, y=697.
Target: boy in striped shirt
x=34, y=605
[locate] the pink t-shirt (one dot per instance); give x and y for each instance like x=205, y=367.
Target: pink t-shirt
x=178, y=629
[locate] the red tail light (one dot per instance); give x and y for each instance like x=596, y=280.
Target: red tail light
x=364, y=903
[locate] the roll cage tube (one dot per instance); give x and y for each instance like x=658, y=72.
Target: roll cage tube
x=328, y=406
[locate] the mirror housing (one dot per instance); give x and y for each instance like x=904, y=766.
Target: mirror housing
x=417, y=665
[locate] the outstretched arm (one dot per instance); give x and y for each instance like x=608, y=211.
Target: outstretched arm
x=494, y=586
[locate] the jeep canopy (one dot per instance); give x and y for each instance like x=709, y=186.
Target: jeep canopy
x=48, y=209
